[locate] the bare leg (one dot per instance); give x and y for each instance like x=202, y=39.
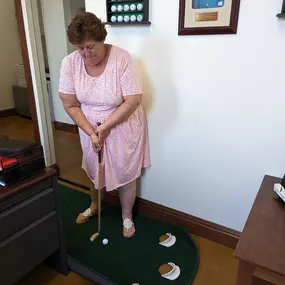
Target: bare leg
x=127, y=195
x=84, y=217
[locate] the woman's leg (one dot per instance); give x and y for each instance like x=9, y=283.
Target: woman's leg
x=84, y=217
x=127, y=195
x=94, y=198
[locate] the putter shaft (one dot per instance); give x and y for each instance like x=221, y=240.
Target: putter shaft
x=94, y=236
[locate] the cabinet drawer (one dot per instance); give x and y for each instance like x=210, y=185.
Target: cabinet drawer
x=21, y=252
x=26, y=212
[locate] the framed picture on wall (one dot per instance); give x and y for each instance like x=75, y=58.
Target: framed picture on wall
x=206, y=17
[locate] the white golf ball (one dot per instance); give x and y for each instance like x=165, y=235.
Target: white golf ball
x=127, y=18
x=133, y=7
x=140, y=7
x=113, y=19
x=119, y=8
x=139, y=18
x=120, y=19
x=126, y=8
x=133, y=18
x=105, y=241
x=113, y=8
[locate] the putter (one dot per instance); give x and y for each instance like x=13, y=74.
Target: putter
x=94, y=236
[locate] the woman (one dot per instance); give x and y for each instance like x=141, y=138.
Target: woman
x=98, y=85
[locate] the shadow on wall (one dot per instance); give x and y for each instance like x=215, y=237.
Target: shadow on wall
x=147, y=100
x=161, y=105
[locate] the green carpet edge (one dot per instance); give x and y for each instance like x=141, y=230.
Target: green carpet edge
x=197, y=253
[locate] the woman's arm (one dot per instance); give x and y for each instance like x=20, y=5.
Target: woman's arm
x=122, y=113
x=71, y=104
x=72, y=107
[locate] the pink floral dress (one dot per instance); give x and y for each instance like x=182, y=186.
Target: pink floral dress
x=126, y=149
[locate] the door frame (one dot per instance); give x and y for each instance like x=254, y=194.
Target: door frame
x=26, y=62
x=33, y=59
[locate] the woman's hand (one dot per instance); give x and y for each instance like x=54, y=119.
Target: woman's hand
x=95, y=142
x=102, y=132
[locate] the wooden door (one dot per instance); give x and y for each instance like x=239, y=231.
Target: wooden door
x=26, y=61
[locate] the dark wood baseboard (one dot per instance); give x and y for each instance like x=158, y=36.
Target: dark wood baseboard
x=79, y=185
x=194, y=225
x=65, y=127
x=7, y=113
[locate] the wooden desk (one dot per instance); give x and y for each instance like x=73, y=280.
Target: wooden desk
x=262, y=241
x=30, y=227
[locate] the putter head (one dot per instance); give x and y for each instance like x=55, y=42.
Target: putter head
x=93, y=237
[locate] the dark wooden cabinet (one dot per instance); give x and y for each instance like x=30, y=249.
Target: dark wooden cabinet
x=30, y=227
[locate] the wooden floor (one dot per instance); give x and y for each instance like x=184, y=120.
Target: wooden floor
x=217, y=265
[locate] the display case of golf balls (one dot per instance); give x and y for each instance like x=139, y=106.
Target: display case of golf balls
x=127, y=12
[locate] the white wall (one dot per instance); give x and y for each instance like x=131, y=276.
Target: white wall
x=215, y=106
x=10, y=53
x=57, y=49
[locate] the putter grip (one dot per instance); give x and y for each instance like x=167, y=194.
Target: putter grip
x=100, y=151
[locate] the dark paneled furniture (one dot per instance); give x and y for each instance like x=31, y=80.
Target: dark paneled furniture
x=30, y=227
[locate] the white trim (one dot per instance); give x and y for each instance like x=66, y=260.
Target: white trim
x=35, y=51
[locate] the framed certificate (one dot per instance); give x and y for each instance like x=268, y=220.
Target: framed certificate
x=202, y=17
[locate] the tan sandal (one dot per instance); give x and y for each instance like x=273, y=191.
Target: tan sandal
x=86, y=215
x=128, y=224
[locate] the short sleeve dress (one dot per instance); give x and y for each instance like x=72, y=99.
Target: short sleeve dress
x=126, y=149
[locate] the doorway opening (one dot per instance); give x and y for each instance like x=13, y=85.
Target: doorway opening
x=50, y=20
x=18, y=117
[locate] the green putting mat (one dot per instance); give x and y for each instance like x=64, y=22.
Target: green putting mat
x=125, y=261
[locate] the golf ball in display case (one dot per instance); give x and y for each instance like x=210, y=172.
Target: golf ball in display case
x=126, y=18
x=139, y=18
x=133, y=18
x=126, y=8
x=119, y=8
x=140, y=7
x=120, y=19
x=113, y=19
x=114, y=8
x=133, y=7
